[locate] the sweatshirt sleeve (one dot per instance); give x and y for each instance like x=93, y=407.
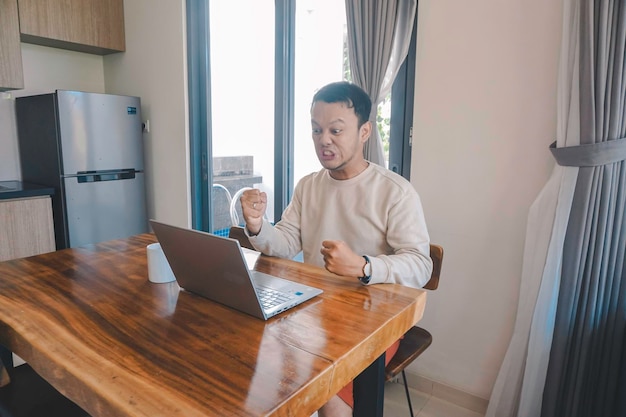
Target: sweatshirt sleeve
x=283, y=239
x=407, y=235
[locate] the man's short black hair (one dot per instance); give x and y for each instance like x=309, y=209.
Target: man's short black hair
x=350, y=94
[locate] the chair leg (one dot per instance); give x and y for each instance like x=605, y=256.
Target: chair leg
x=408, y=396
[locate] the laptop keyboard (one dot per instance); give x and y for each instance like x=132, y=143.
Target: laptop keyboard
x=271, y=298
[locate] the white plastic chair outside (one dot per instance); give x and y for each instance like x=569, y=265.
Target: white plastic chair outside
x=221, y=187
x=234, y=216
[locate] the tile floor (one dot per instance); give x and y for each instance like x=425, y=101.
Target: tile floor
x=424, y=405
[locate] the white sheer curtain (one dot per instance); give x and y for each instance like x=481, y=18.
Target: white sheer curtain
x=518, y=390
x=379, y=34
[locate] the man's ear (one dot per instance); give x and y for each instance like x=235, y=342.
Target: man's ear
x=365, y=131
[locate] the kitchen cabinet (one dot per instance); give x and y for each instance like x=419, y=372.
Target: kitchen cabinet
x=92, y=26
x=11, y=72
x=26, y=227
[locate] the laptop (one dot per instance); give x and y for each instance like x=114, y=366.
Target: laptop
x=215, y=267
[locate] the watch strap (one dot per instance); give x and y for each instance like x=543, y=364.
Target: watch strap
x=365, y=279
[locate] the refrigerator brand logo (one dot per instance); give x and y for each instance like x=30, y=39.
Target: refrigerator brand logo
x=131, y=110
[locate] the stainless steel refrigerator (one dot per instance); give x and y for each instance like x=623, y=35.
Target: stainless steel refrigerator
x=89, y=147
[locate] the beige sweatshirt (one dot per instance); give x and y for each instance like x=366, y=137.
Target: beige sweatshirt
x=377, y=213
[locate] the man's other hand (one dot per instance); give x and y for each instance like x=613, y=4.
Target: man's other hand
x=341, y=260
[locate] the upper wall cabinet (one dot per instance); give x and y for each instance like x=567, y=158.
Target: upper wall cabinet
x=92, y=26
x=11, y=73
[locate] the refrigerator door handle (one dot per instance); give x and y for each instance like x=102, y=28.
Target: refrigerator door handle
x=104, y=175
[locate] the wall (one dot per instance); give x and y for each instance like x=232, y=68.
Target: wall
x=154, y=68
x=9, y=155
x=45, y=69
x=485, y=113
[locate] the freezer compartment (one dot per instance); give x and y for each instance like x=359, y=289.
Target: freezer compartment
x=99, y=131
x=101, y=206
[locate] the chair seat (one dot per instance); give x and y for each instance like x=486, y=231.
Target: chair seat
x=414, y=342
x=29, y=395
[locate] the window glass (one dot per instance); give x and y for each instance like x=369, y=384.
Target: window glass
x=242, y=102
x=321, y=58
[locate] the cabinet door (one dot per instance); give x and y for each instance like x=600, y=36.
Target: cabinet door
x=93, y=26
x=11, y=73
x=26, y=227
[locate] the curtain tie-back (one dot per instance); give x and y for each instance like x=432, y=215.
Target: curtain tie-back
x=591, y=154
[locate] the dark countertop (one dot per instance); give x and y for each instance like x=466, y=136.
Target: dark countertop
x=18, y=189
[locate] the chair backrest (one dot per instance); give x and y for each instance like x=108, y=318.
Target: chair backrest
x=234, y=216
x=237, y=232
x=436, y=254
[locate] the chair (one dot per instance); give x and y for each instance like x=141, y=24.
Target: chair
x=29, y=395
x=237, y=232
x=417, y=339
x=234, y=216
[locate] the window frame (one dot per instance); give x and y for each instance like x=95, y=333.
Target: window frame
x=284, y=85
x=199, y=96
x=402, y=104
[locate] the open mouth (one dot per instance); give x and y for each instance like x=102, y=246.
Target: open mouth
x=327, y=155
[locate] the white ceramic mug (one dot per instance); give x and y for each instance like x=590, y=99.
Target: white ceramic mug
x=159, y=270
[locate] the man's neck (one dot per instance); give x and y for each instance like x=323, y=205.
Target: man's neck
x=341, y=175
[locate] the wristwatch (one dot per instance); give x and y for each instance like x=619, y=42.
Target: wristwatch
x=367, y=271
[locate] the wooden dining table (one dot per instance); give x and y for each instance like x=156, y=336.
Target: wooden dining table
x=88, y=321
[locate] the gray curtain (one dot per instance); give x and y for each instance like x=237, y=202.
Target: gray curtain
x=586, y=373
x=519, y=387
x=379, y=33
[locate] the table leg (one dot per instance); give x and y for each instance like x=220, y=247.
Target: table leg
x=369, y=390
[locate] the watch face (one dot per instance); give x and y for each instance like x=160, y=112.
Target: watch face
x=368, y=270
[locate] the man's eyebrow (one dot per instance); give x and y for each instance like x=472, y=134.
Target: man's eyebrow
x=339, y=120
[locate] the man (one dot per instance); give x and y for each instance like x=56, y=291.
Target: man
x=353, y=218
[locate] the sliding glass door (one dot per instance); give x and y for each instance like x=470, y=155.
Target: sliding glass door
x=254, y=66
x=241, y=58
x=320, y=58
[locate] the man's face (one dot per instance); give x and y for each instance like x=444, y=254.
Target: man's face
x=338, y=139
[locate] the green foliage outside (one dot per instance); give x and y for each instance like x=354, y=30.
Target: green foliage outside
x=383, y=122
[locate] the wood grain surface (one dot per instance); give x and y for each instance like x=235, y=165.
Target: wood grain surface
x=11, y=70
x=27, y=227
x=89, y=321
x=94, y=26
